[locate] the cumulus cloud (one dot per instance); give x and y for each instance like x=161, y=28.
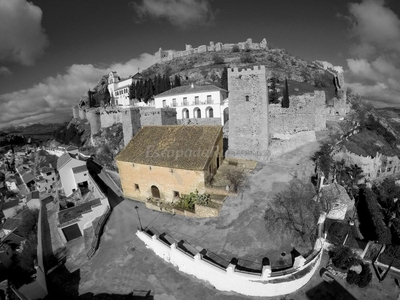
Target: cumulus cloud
x=22, y=37
x=374, y=68
x=5, y=71
x=51, y=100
x=182, y=13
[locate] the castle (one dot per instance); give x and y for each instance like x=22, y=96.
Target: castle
x=167, y=55
x=258, y=130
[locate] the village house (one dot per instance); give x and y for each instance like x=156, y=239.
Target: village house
x=119, y=89
x=33, y=200
x=11, y=207
x=193, y=101
x=73, y=173
x=166, y=162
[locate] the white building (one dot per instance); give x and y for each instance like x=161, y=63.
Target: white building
x=73, y=173
x=119, y=89
x=192, y=101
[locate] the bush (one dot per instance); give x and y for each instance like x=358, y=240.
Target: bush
x=188, y=202
x=217, y=59
x=362, y=279
x=235, y=48
x=342, y=257
x=246, y=58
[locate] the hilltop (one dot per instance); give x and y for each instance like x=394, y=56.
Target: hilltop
x=207, y=67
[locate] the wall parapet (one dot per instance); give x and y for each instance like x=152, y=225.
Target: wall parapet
x=266, y=283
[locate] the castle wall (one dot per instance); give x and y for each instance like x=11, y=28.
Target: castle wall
x=306, y=112
x=75, y=112
x=93, y=117
x=110, y=116
x=162, y=55
x=82, y=114
x=197, y=121
x=248, y=114
x=133, y=118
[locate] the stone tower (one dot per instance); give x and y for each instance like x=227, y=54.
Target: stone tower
x=75, y=112
x=133, y=118
x=248, y=114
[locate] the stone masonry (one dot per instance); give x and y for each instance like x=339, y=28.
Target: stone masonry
x=133, y=118
x=248, y=109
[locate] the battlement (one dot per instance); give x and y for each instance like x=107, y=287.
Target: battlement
x=248, y=71
x=167, y=55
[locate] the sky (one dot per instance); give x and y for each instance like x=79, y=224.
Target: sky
x=52, y=52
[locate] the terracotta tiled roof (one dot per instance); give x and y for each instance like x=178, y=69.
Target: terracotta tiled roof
x=12, y=223
x=46, y=170
x=33, y=195
x=13, y=239
x=28, y=177
x=75, y=212
x=187, y=89
x=173, y=146
x=10, y=204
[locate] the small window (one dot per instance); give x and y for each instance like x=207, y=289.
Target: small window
x=52, y=179
x=85, y=174
x=136, y=187
x=176, y=194
x=247, y=98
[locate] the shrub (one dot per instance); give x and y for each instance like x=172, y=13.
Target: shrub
x=217, y=59
x=362, y=279
x=235, y=48
x=246, y=58
x=188, y=202
x=342, y=257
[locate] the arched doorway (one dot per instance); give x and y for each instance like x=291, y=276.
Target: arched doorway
x=185, y=113
x=197, y=113
x=155, y=192
x=226, y=114
x=209, y=112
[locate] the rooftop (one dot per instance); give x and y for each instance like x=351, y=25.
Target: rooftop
x=9, y=204
x=33, y=195
x=46, y=170
x=63, y=160
x=75, y=212
x=79, y=169
x=172, y=146
x=28, y=177
x=12, y=223
x=187, y=89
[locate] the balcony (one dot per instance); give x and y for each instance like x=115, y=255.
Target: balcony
x=194, y=103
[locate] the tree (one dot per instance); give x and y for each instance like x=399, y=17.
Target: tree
x=246, y=58
x=235, y=48
x=273, y=93
x=285, y=100
x=361, y=279
x=224, y=79
x=217, y=59
x=323, y=159
x=343, y=257
x=177, y=81
x=236, y=177
x=29, y=222
x=296, y=210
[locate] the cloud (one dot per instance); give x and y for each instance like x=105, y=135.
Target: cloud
x=51, y=100
x=375, y=63
x=22, y=37
x=181, y=13
x=5, y=71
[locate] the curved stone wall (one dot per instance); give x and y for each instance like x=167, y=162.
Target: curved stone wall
x=264, y=284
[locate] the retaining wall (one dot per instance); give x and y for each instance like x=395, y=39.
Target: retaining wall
x=264, y=284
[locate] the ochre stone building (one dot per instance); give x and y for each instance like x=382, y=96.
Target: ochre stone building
x=166, y=162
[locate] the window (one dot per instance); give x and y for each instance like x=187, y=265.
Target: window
x=176, y=194
x=48, y=173
x=185, y=101
x=247, y=98
x=136, y=187
x=164, y=103
x=174, y=102
x=52, y=178
x=47, y=181
x=85, y=174
x=196, y=100
x=209, y=101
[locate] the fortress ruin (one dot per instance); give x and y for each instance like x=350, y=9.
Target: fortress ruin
x=167, y=55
